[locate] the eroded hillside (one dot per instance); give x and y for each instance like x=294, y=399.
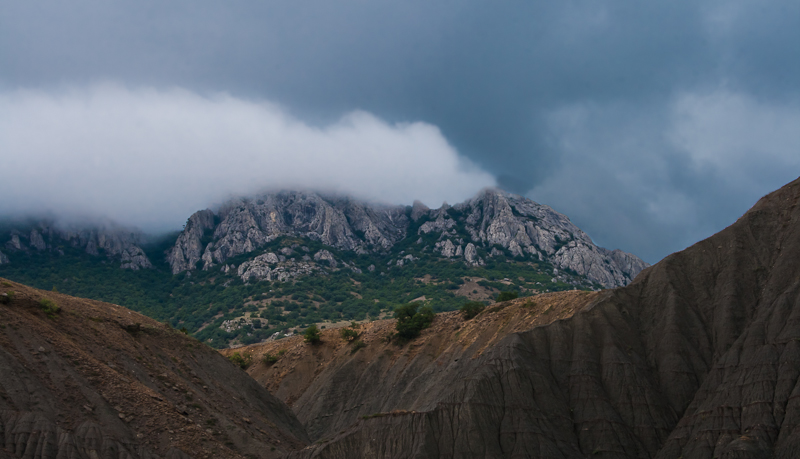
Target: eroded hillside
x=698, y=358
x=85, y=379
x=336, y=383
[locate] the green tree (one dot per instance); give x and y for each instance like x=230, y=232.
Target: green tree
x=471, y=309
x=507, y=296
x=312, y=335
x=348, y=334
x=411, y=320
x=242, y=360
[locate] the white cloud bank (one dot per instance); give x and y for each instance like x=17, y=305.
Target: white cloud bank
x=150, y=157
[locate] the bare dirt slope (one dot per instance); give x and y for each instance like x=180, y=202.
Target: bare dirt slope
x=698, y=358
x=97, y=380
x=332, y=385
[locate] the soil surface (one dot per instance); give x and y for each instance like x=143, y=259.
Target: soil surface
x=86, y=379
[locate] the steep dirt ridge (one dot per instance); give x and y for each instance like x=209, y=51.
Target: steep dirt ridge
x=97, y=380
x=698, y=358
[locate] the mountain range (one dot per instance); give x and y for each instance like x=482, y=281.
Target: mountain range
x=254, y=266
x=698, y=357
x=490, y=224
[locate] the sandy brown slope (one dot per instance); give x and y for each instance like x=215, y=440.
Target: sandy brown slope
x=697, y=358
x=97, y=380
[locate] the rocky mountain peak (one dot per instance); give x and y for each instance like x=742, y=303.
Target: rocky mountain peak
x=492, y=223
x=245, y=224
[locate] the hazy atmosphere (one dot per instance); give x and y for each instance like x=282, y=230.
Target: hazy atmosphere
x=650, y=125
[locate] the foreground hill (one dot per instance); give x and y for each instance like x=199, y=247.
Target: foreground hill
x=85, y=379
x=698, y=358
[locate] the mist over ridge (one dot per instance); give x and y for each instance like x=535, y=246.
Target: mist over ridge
x=150, y=158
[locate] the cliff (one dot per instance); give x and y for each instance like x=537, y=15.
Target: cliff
x=494, y=222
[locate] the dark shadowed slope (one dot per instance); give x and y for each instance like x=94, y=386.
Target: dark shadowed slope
x=97, y=380
x=698, y=358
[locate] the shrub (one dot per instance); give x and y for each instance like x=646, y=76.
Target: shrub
x=411, y=320
x=269, y=359
x=348, y=334
x=312, y=335
x=472, y=309
x=507, y=296
x=241, y=360
x=357, y=344
x=49, y=307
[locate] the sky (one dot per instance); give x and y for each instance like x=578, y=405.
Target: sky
x=652, y=125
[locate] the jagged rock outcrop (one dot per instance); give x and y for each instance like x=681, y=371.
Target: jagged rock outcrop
x=3, y=258
x=247, y=224
x=261, y=268
x=97, y=380
x=326, y=256
x=36, y=240
x=114, y=241
x=471, y=255
x=418, y=210
x=492, y=219
x=697, y=358
x=522, y=226
x=188, y=248
x=14, y=243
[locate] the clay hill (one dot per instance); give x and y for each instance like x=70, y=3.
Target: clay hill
x=85, y=379
x=699, y=357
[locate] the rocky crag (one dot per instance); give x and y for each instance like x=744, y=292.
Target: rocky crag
x=492, y=223
x=699, y=357
x=108, y=239
x=85, y=379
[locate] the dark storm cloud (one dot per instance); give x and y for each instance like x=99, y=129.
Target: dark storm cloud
x=502, y=80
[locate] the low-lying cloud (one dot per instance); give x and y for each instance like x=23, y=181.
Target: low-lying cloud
x=150, y=157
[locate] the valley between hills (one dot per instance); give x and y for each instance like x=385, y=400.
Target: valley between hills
x=697, y=357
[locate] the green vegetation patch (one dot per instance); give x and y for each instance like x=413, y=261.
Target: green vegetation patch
x=412, y=319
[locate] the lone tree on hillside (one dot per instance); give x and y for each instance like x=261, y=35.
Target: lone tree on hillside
x=411, y=320
x=472, y=309
x=312, y=335
x=507, y=296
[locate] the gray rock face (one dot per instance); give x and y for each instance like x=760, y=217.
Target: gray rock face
x=471, y=255
x=188, y=248
x=114, y=241
x=36, y=240
x=490, y=220
x=522, y=226
x=446, y=248
x=14, y=243
x=261, y=268
x=3, y=258
x=247, y=224
x=324, y=255
x=419, y=210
